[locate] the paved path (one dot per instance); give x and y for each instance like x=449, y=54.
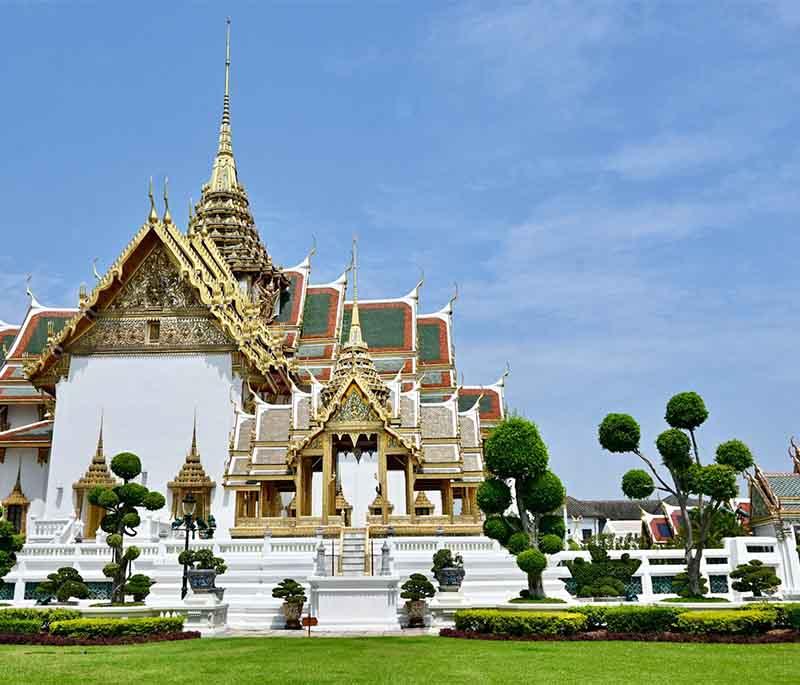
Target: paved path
x=407, y=632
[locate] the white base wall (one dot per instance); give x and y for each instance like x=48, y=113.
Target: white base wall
x=256, y=566
x=148, y=403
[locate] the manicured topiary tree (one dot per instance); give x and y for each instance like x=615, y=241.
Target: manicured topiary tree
x=122, y=519
x=10, y=543
x=203, y=559
x=683, y=475
x=294, y=597
x=603, y=576
x=63, y=584
x=756, y=578
x=516, y=457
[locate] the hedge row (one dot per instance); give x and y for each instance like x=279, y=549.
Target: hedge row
x=43, y=617
x=520, y=622
x=755, y=620
x=90, y=628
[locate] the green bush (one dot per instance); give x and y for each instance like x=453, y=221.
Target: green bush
x=595, y=616
x=20, y=626
x=43, y=616
x=115, y=627
x=786, y=615
x=520, y=623
x=727, y=621
x=645, y=619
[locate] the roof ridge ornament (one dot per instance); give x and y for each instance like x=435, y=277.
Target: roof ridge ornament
x=35, y=304
x=167, y=216
x=153, y=216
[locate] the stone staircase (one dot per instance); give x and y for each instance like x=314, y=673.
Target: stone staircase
x=354, y=543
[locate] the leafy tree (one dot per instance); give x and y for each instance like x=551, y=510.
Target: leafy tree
x=417, y=587
x=10, y=543
x=756, y=578
x=516, y=457
x=122, y=519
x=683, y=475
x=63, y=584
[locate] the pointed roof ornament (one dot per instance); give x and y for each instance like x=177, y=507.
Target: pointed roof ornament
x=153, y=216
x=355, y=339
x=99, y=451
x=193, y=454
x=167, y=215
x=97, y=473
x=35, y=304
x=192, y=475
x=95, y=273
x=17, y=496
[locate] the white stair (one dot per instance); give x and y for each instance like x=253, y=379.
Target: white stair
x=354, y=545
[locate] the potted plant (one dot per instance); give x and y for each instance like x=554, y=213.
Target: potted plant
x=202, y=569
x=294, y=597
x=416, y=590
x=63, y=584
x=448, y=569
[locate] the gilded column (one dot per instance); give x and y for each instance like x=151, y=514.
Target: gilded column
x=299, y=499
x=410, y=487
x=327, y=462
x=382, y=477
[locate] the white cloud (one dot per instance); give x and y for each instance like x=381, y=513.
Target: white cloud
x=547, y=44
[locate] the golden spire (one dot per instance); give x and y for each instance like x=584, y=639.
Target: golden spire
x=99, y=456
x=97, y=473
x=355, y=338
x=193, y=455
x=223, y=212
x=167, y=215
x=153, y=217
x=223, y=174
x=16, y=496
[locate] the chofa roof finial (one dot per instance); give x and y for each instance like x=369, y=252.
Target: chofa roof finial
x=153, y=216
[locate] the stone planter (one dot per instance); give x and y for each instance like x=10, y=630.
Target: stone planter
x=292, y=612
x=203, y=582
x=416, y=612
x=450, y=578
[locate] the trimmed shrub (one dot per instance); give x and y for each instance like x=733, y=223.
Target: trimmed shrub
x=786, y=615
x=520, y=623
x=115, y=627
x=20, y=626
x=44, y=617
x=595, y=616
x=728, y=622
x=645, y=619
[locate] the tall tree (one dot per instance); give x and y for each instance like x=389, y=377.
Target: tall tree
x=122, y=519
x=516, y=458
x=683, y=475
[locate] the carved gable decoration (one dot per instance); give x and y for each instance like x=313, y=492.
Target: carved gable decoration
x=155, y=310
x=157, y=284
x=354, y=408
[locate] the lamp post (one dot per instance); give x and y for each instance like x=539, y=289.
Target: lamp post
x=189, y=504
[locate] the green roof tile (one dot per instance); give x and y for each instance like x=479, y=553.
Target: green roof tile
x=316, y=315
x=382, y=327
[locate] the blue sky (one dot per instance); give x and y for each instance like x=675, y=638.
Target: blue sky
x=614, y=186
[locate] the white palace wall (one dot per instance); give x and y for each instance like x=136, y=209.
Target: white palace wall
x=148, y=404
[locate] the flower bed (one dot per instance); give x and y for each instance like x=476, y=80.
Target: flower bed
x=648, y=623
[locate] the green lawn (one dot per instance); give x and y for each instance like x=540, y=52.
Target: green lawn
x=398, y=660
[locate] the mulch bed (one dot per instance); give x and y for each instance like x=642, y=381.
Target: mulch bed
x=60, y=641
x=771, y=637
